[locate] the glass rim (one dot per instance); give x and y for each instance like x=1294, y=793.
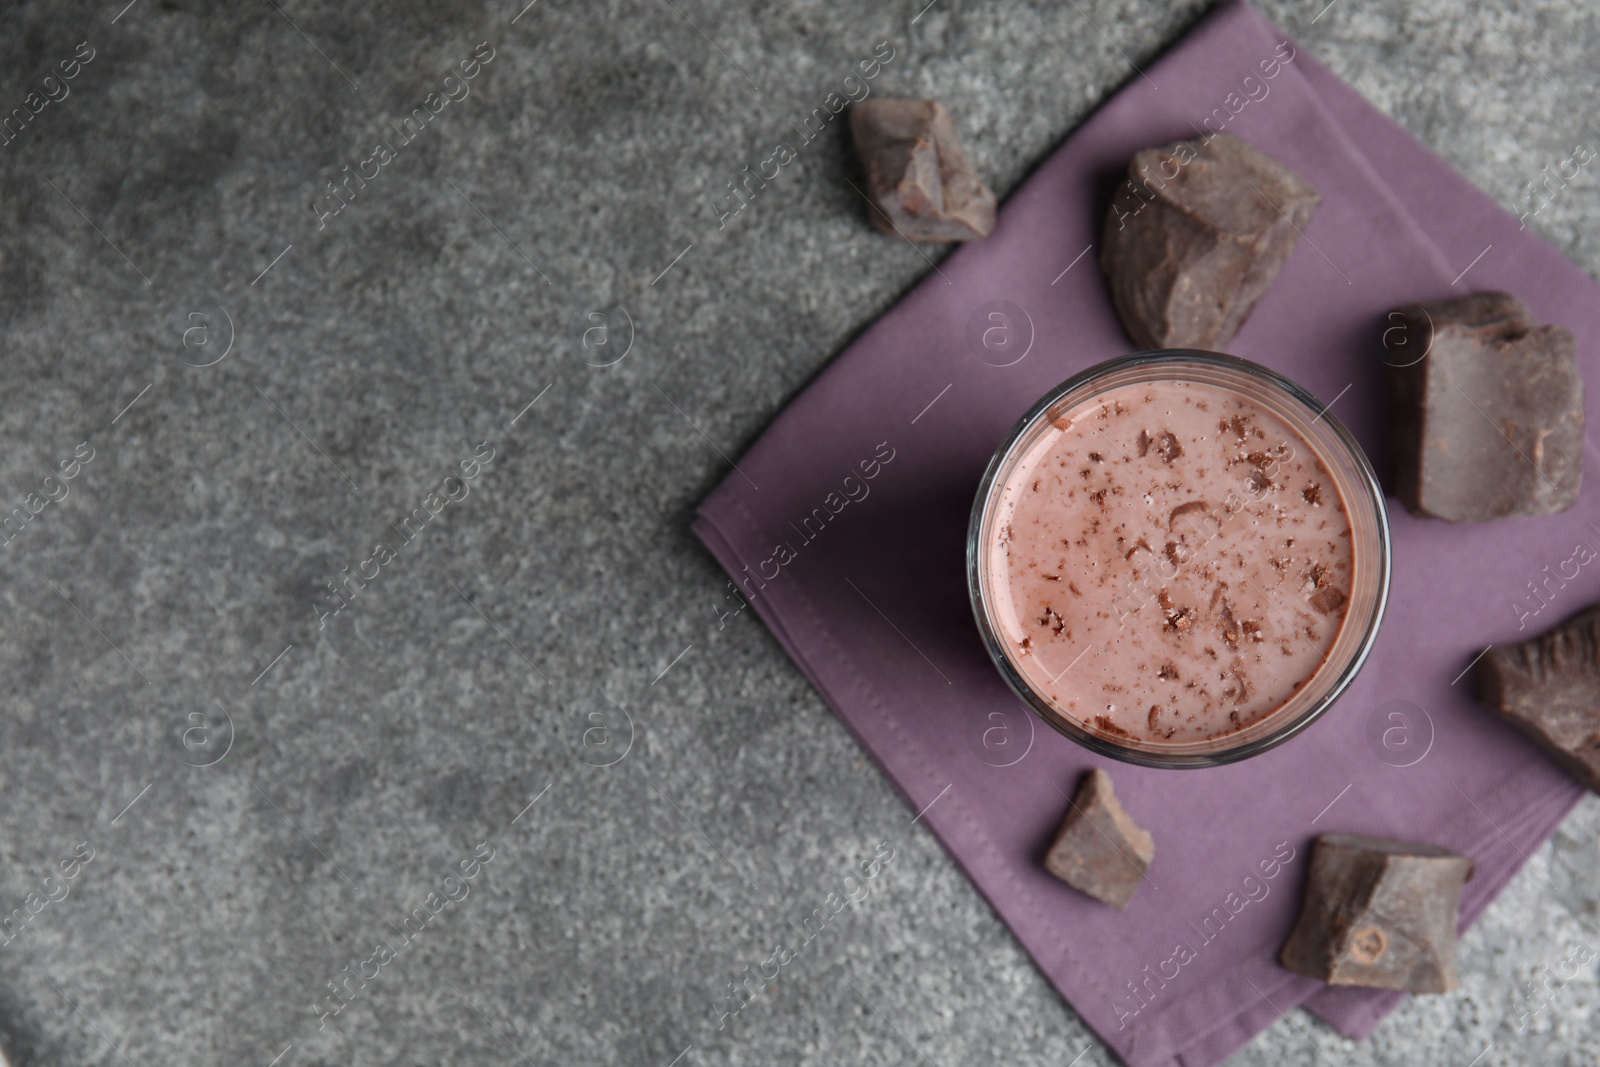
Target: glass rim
x=1063, y=723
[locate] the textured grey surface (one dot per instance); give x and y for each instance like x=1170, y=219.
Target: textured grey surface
x=378, y=751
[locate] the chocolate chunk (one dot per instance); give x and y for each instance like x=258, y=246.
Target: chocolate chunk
x=1099, y=849
x=1196, y=235
x=1380, y=914
x=1488, y=410
x=922, y=185
x=1549, y=688
x=1182, y=510
x=1327, y=601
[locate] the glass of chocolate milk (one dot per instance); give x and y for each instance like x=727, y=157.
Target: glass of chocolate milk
x=1179, y=558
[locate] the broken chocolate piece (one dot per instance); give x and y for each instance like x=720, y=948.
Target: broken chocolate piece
x=1488, y=410
x=1380, y=914
x=1184, y=510
x=1099, y=849
x=1549, y=688
x=1196, y=235
x=1327, y=601
x=921, y=183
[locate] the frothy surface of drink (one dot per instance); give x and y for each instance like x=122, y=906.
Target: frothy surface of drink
x=1170, y=562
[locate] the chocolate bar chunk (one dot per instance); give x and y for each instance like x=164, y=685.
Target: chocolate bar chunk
x=1196, y=235
x=1549, y=688
x=1488, y=410
x=1380, y=914
x=921, y=183
x=1099, y=849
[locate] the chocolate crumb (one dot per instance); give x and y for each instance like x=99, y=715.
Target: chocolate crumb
x=1106, y=725
x=1216, y=595
x=1312, y=494
x=1167, y=445
x=1179, y=620
x=1230, y=627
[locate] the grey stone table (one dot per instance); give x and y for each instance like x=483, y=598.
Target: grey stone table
x=224, y=785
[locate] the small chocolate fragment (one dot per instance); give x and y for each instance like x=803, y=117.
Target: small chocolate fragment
x=1488, y=410
x=1549, y=688
x=1196, y=235
x=1380, y=914
x=1327, y=601
x=1099, y=849
x=1184, y=510
x=921, y=183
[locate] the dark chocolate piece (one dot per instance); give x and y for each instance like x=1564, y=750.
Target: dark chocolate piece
x=921, y=183
x=1099, y=849
x=1196, y=235
x=1488, y=410
x=1380, y=914
x=1549, y=688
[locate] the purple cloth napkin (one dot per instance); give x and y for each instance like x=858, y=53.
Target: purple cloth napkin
x=852, y=551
